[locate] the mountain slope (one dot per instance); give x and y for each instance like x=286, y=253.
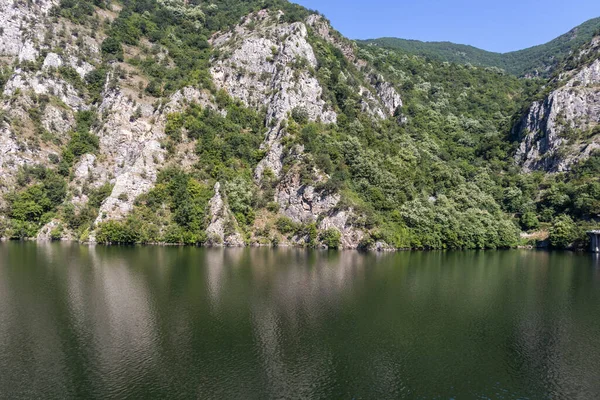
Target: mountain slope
x=252, y=123
x=564, y=127
x=534, y=61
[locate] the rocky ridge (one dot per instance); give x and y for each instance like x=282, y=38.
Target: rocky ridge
x=562, y=129
x=266, y=63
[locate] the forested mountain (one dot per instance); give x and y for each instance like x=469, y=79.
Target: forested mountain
x=534, y=61
x=256, y=123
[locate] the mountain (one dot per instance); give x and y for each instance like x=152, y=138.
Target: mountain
x=563, y=128
x=236, y=123
x=534, y=61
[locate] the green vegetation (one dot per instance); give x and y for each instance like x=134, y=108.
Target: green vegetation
x=82, y=141
x=80, y=220
x=538, y=60
x=438, y=174
x=173, y=212
x=226, y=146
x=39, y=193
x=4, y=75
x=182, y=28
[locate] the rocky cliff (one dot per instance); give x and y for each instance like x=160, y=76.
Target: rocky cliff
x=563, y=128
x=250, y=123
x=49, y=62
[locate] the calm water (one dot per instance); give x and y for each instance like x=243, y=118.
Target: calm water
x=153, y=322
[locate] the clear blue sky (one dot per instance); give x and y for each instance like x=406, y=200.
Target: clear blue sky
x=499, y=25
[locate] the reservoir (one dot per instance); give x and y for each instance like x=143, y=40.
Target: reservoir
x=169, y=322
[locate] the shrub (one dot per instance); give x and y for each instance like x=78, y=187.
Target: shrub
x=331, y=238
x=56, y=233
x=116, y=232
x=529, y=221
x=300, y=115
x=286, y=225
x=563, y=232
x=112, y=49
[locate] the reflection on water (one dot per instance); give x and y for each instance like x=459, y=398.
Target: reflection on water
x=154, y=322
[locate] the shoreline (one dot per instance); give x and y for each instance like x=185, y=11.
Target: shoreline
x=381, y=249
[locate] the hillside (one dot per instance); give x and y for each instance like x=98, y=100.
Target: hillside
x=534, y=61
x=256, y=123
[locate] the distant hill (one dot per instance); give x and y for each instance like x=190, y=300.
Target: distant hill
x=538, y=60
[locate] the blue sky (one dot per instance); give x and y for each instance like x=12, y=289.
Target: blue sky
x=500, y=25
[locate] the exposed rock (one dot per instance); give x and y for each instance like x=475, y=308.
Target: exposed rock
x=12, y=153
x=544, y=132
x=387, y=94
x=85, y=166
x=22, y=27
x=302, y=203
x=45, y=233
x=266, y=63
x=132, y=152
x=57, y=120
x=223, y=228
x=40, y=84
x=53, y=60
x=189, y=95
x=270, y=66
x=388, y=100
x=323, y=29
x=341, y=220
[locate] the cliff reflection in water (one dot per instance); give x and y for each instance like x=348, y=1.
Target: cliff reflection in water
x=153, y=322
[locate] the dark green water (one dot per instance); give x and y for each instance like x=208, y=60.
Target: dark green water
x=152, y=322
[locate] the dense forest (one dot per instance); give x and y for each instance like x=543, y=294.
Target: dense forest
x=539, y=60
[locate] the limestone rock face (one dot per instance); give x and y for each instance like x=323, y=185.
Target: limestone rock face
x=21, y=23
x=131, y=147
x=45, y=234
x=381, y=100
x=131, y=152
x=223, y=228
x=561, y=130
x=323, y=29
x=41, y=85
x=302, y=203
x=390, y=99
x=270, y=65
x=341, y=220
x=265, y=62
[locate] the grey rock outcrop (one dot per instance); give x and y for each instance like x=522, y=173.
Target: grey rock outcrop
x=270, y=65
x=381, y=100
x=265, y=62
x=560, y=130
x=350, y=236
x=21, y=23
x=302, y=203
x=222, y=229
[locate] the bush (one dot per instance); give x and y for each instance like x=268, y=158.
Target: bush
x=529, y=221
x=563, y=233
x=300, y=115
x=32, y=206
x=112, y=49
x=331, y=238
x=95, y=80
x=286, y=225
x=56, y=233
x=115, y=232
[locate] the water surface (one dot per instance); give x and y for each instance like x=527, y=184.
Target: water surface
x=155, y=322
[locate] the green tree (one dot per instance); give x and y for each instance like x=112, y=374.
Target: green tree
x=563, y=232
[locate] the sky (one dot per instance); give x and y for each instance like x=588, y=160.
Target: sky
x=499, y=25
